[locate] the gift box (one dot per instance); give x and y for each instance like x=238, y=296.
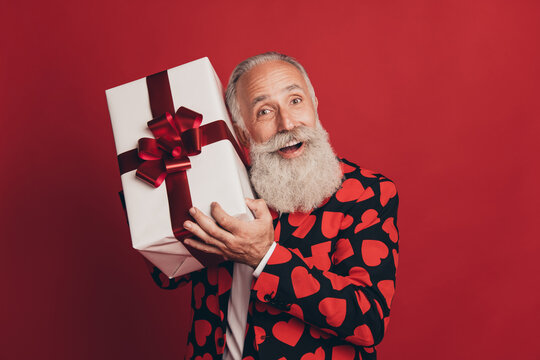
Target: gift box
x=176, y=149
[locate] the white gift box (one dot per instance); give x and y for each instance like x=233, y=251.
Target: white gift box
x=217, y=174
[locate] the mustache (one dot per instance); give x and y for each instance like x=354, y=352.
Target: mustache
x=300, y=133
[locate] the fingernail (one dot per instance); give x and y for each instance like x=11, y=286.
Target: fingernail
x=192, y=211
x=187, y=224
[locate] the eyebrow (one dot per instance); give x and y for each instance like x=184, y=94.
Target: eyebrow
x=286, y=89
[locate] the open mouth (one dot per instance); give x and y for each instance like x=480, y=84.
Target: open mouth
x=292, y=149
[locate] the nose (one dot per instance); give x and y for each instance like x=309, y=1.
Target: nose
x=285, y=120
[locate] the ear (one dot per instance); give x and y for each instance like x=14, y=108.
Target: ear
x=316, y=103
x=242, y=135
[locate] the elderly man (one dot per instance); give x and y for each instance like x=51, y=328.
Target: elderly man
x=313, y=275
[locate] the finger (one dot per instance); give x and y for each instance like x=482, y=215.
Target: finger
x=259, y=209
x=196, y=230
x=225, y=220
x=199, y=245
x=209, y=226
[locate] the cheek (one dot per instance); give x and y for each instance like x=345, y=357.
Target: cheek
x=262, y=133
x=307, y=117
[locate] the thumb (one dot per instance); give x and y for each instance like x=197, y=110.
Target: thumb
x=259, y=208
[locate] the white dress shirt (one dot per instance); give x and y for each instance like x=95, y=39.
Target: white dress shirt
x=238, y=306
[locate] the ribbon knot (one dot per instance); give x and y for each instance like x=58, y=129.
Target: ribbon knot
x=175, y=138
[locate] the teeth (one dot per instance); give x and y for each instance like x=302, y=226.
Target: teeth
x=291, y=143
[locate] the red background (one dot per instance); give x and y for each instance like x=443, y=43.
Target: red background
x=440, y=96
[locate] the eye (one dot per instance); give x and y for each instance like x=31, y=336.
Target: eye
x=296, y=100
x=263, y=112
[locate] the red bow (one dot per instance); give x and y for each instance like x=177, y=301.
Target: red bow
x=176, y=138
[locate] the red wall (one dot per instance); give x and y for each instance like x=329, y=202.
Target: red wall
x=440, y=96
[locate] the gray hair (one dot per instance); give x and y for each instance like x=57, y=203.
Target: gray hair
x=250, y=63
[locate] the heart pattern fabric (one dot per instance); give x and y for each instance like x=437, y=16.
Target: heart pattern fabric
x=325, y=291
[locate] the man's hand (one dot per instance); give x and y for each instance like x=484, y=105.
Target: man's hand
x=240, y=241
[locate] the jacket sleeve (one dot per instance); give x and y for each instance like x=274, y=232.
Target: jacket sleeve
x=163, y=280
x=352, y=299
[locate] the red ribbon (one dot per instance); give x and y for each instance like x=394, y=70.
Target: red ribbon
x=165, y=157
x=176, y=138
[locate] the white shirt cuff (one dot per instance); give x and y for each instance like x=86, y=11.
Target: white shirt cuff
x=262, y=264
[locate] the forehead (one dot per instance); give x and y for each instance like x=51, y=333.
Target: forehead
x=268, y=78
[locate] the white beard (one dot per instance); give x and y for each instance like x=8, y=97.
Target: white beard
x=301, y=183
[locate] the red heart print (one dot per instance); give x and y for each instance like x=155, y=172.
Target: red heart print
x=317, y=355
x=296, y=311
x=389, y=228
x=321, y=262
x=202, y=330
x=331, y=222
x=212, y=304
x=220, y=340
x=343, y=352
x=366, y=195
x=395, y=255
x=165, y=281
x=359, y=276
x=386, y=320
x=367, y=173
x=304, y=284
x=288, y=332
x=321, y=248
x=299, y=254
x=388, y=190
x=338, y=282
x=362, y=336
x=368, y=218
x=363, y=301
x=260, y=334
x=373, y=251
x=277, y=232
x=379, y=309
x=320, y=258
x=343, y=251
x=386, y=287
x=316, y=333
x=351, y=189
x=198, y=293
x=212, y=275
x=346, y=168
x=296, y=218
x=347, y=221
x=265, y=284
x=280, y=256
x=225, y=280
x=334, y=310
x=206, y=356
x=189, y=351
x=305, y=227
x=260, y=306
